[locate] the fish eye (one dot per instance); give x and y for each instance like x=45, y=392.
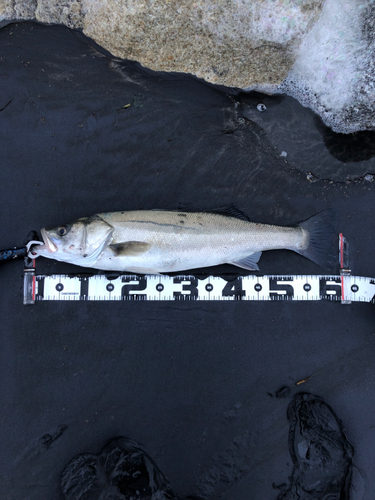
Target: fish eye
x=62, y=230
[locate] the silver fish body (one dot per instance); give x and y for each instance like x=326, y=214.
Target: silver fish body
x=158, y=241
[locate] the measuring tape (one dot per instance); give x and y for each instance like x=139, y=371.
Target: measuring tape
x=343, y=288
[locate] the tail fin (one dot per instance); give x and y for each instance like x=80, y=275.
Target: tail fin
x=322, y=229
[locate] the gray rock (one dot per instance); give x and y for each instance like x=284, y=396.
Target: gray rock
x=227, y=42
x=67, y=12
x=17, y=9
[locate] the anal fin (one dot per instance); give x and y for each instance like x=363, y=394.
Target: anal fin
x=250, y=262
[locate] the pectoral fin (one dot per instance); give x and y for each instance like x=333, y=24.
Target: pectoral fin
x=249, y=262
x=129, y=248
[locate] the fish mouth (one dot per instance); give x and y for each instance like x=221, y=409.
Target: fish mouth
x=51, y=247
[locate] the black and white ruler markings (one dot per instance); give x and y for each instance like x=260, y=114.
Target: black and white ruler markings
x=341, y=288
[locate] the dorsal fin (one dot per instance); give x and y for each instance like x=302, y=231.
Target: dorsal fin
x=230, y=211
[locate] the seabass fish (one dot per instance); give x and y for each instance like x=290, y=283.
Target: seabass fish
x=158, y=241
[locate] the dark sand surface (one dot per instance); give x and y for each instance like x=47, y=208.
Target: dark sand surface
x=195, y=383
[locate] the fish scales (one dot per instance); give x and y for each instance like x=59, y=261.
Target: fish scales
x=198, y=239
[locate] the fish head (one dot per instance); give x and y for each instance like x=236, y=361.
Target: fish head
x=78, y=243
